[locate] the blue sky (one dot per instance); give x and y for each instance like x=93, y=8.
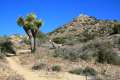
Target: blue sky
x=54, y=13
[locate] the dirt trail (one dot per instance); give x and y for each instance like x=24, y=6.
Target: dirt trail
x=27, y=74
x=30, y=75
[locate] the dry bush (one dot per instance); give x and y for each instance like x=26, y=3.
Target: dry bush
x=98, y=50
x=101, y=51
x=56, y=68
x=39, y=66
x=87, y=71
x=67, y=53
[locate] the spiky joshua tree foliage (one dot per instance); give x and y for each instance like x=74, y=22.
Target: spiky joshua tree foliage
x=31, y=26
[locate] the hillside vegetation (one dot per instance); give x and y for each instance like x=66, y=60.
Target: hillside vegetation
x=90, y=39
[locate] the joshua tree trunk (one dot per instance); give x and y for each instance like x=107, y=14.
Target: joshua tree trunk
x=34, y=33
x=32, y=44
x=32, y=39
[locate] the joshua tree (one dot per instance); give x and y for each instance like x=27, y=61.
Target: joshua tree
x=31, y=26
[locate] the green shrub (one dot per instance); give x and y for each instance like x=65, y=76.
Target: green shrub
x=105, y=56
x=87, y=71
x=116, y=41
x=77, y=71
x=59, y=40
x=56, y=68
x=116, y=60
x=87, y=35
x=67, y=53
x=88, y=55
x=72, y=56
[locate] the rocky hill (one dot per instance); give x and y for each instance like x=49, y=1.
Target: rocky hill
x=92, y=40
x=84, y=26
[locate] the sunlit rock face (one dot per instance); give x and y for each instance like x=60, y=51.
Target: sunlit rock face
x=18, y=42
x=13, y=44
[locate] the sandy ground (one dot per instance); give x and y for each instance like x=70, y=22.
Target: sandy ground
x=30, y=75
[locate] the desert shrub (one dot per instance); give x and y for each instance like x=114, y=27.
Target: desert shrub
x=77, y=71
x=101, y=51
x=15, y=77
x=87, y=35
x=116, y=41
x=39, y=66
x=56, y=68
x=57, y=53
x=6, y=47
x=106, y=56
x=116, y=29
x=59, y=40
x=72, y=56
x=114, y=59
x=71, y=40
x=88, y=55
x=87, y=71
x=41, y=38
x=67, y=53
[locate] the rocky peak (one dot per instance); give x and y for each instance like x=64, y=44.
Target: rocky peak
x=83, y=18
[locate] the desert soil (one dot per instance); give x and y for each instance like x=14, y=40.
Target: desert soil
x=31, y=75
